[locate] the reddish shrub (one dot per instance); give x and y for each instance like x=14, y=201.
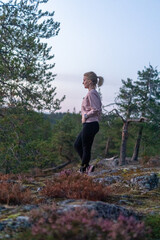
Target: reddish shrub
x=23, y=178
x=11, y=176
x=14, y=193
x=75, y=185
x=4, y=177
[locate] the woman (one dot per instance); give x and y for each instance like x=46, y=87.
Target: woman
x=90, y=111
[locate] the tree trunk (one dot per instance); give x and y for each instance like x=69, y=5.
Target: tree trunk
x=107, y=147
x=137, y=145
x=124, y=143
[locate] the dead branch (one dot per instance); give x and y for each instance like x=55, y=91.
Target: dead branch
x=112, y=158
x=57, y=167
x=142, y=119
x=118, y=114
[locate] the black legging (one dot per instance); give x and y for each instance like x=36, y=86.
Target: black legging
x=83, y=143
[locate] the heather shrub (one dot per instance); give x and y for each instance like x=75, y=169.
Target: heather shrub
x=5, y=177
x=154, y=223
x=80, y=224
x=17, y=177
x=75, y=185
x=14, y=193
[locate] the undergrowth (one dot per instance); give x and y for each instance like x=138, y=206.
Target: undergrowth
x=153, y=221
x=22, y=178
x=5, y=177
x=13, y=192
x=75, y=185
x=81, y=224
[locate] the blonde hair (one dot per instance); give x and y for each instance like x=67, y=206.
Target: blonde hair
x=96, y=80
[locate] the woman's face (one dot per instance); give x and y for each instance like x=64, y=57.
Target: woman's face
x=86, y=82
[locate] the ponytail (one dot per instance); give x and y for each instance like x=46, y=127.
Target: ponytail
x=100, y=81
x=94, y=78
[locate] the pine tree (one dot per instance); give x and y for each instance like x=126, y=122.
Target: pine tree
x=148, y=93
x=126, y=108
x=26, y=61
x=26, y=76
x=148, y=101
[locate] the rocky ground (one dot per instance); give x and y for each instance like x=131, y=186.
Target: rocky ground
x=135, y=190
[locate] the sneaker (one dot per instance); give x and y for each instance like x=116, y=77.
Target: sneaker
x=82, y=170
x=90, y=168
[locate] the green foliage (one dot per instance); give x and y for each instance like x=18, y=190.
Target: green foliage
x=53, y=117
x=110, y=132
x=153, y=221
x=26, y=76
x=22, y=135
x=138, y=99
x=25, y=58
x=125, y=100
x=111, y=128
x=28, y=140
x=114, y=131
x=64, y=134
x=148, y=94
x=150, y=140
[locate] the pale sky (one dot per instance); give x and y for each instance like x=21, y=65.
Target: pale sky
x=113, y=38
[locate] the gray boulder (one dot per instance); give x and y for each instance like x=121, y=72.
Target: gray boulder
x=109, y=162
x=108, y=180
x=104, y=210
x=146, y=182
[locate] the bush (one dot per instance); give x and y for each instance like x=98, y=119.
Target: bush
x=13, y=193
x=80, y=224
x=154, y=223
x=75, y=185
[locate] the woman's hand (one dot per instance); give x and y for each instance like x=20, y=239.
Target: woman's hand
x=83, y=119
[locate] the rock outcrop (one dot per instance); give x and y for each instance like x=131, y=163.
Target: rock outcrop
x=104, y=210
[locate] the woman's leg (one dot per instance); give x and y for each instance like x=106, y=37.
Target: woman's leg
x=79, y=148
x=88, y=133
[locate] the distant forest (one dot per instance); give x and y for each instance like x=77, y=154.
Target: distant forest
x=36, y=140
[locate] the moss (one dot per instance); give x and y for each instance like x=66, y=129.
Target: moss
x=11, y=216
x=158, y=174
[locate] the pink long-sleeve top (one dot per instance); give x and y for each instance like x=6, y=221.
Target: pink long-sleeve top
x=91, y=105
